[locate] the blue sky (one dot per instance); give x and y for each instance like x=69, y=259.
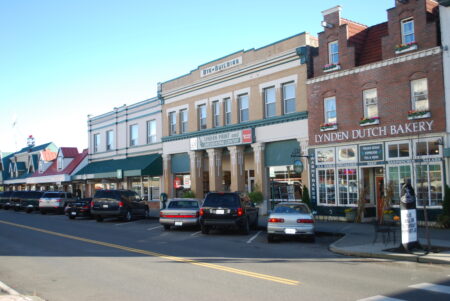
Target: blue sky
x=62, y=60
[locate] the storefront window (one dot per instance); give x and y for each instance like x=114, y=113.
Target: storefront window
x=397, y=176
x=325, y=156
x=327, y=187
x=398, y=150
x=348, y=186
x=285, y=183
x=347, y=154
x=181, y=184
x=428, y=148
x=135, y=184
x=429, y=185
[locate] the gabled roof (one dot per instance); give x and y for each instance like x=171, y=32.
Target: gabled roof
x=371, y=51
x=21, y=166
x=69, y=152
x=48, y=155
x=36, y=148
x=53, y=169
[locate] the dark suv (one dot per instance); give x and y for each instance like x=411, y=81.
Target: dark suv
x=5, y=198
x=118, y=203
x=28, y=201
x=227, y=210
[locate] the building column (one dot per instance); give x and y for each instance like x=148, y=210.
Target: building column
x=215, y=169
x=197, y=173
x=305, y=160
x=168, y=176
x=237, y=168
x=260, y=168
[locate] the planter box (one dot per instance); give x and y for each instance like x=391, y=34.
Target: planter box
x=335, y=68
x=328, y=128
x=374, y=121
x=425, y=115
x=410, y=48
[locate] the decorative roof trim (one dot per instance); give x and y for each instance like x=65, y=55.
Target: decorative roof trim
x=380, y=64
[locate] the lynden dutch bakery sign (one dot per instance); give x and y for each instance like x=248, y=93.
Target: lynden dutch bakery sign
x=375, y=132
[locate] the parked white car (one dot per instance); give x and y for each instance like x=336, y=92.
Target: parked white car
x=54, y=201
x=291, y=219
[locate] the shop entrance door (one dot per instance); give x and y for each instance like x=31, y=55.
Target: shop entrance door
x=379, y=181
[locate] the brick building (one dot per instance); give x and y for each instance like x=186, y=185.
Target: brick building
x=376, y=111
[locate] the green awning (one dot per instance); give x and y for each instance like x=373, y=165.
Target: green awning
x=279, y=153
x=149, y=165
x=181, y=163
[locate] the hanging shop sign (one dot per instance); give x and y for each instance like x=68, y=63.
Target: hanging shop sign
x=372, y=152
x=375, y=132
x=222, y=140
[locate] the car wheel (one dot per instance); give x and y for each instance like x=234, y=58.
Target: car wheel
x=128, y=216
x=166, y=227
x=99, y=219
x=255, y=223
x=71, y=216
x=270, y=238
x=246, y=227
x=29, y=210
x=205, y=229
x=43, y=212
x=311, y=238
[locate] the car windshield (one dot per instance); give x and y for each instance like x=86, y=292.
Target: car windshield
x=113, y=194
x=291, y=208
x=51, y=195
x=221, y=200
x=183, y=205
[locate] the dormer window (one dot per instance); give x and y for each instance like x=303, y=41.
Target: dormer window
x=333, y=53
x=41, y=166
x=408, y=31
x=60, y=163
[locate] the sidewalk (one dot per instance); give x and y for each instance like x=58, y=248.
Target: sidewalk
x=9, y=294
x=358, y=240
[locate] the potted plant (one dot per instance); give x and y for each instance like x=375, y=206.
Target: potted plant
x=350, y=214
x=405, y=47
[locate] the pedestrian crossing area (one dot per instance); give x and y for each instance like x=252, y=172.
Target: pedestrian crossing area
x=420, y=291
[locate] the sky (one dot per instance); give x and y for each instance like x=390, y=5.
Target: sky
x=61, y=61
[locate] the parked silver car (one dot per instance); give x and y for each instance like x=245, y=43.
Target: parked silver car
x=290, y=219
x=180, y=213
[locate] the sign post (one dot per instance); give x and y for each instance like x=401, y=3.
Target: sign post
x=408, y=214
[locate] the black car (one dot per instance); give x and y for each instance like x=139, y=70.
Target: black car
x=79, y=207
x=5, y=197
x=125, y=204
x=227, y=210
x=29, y=201
x=16, y=197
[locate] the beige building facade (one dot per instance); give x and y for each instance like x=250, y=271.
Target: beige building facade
x=239, y=123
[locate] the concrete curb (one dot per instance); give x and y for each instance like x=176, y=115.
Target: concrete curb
x=385, y=255
x=13, y=295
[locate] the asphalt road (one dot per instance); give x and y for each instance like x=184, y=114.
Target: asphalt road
x=61, y=259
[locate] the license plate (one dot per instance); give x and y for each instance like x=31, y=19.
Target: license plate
x=73, y=213
x=289, y=231
x=105, y=206
x=178, y=223
x=220, y=211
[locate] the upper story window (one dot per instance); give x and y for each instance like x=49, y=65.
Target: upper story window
x=227, y=109
x=289, y=98
x=370, y=103
x=330, y=110
x=398, y=150
x=109, y=140
x=151, y=131
x=172, y=123
x=333, y=52
x=428, y=147
x=59, y=163
x=216, y=113
x=96, y=143
x=243, y=108
x=184, y=121
x=408, y=31
x=202, y=117
x=134, y=134
x=419, y=94
x=269, y=102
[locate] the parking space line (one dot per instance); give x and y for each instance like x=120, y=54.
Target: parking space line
x=193, y=234
x=149, y=229
x=126, y=223
x=253, y=237
x=159, y=255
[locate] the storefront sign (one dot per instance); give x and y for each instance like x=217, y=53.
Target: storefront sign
x=222, y=139
x=371, y=152
x=312, y=176
x=298, y=166
x=221, y=66
x=375, y=132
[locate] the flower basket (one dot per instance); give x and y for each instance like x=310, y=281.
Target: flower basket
x=405, y=47
x=331, y=67
x=328, y=126
x=413, y=114
x=369, y=121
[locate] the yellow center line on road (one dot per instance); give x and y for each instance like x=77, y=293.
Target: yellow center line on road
x=167, y=257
